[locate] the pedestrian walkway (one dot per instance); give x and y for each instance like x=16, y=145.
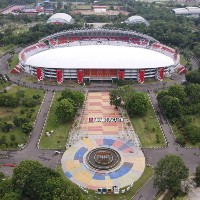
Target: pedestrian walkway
x=102, y=126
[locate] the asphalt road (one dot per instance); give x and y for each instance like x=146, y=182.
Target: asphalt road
x=31, y=152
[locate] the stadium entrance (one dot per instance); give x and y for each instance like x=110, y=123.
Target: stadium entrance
x=100, y=73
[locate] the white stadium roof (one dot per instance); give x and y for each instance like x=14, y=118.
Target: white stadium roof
x=61, y=17
x=136, y=19
x=186, y=10
x=99, y=56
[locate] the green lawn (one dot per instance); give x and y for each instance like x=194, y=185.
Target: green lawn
x=147, y=174
x=147, y=127
x=6, y=115
x=58, y=138
x=6, y=48
x=195, y=121
x=14, y=61
x=3, y=84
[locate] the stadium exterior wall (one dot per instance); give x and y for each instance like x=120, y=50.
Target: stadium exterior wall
x=101, y=37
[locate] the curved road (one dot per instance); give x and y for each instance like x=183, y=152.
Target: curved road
x=48, y=159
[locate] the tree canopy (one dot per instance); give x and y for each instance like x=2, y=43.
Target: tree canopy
x=179, y=103
x=32, y=181
x=169, y=173
x=65, y=110
x=135, y=102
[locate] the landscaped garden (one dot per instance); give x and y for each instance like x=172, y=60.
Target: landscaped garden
x=60, y=119
x=148, y=129
x=141, y=113
x=18, y=109
x=181, y=106
x=58, y=137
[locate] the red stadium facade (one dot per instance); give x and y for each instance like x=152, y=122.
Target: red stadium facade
x=69, y=70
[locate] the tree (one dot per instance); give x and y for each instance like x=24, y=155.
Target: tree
x=192, y=132
x=20, y=94
x=115, y=98
x=30, y=178
x=34, y=181
x=169, y=173
x=57, y=188
x=5, y=187
x=65, y=110
x=178, y=92
x=26, y=128
x=10, y=196
x=193, y=76
x=137, y=104
x=8, y=100
x=19, y=121
x=125, y=92
x=193, y=92
x=2, y=176
x=197, y=176
x=76, y=97
x=6, y=127
x=170, y=106
x=196, y=50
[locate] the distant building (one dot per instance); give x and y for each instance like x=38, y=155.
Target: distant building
x=61, y=18
x=187, y=11
x=99, y=9
x=136, y=19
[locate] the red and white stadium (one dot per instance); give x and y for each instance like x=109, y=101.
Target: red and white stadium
x=98, y=54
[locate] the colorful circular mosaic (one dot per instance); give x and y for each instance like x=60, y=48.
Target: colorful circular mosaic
x=130, y=168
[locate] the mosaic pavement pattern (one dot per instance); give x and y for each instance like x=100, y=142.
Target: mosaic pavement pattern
x=98, y=106
x=76, y=169
x=102, y=134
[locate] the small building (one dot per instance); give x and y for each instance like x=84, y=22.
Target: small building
x=187, y=11
x=60, y=18
x=136, y=20
x=99, y=9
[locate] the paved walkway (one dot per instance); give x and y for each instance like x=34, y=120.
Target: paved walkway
x=106, y=134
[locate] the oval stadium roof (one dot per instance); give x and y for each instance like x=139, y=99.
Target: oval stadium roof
x=61, y=18
x=136, y=19
x=99, y=57
x=186, y=10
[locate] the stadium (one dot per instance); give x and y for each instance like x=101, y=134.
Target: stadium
x=98, y=54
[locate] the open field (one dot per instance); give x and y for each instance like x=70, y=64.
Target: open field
x=147, y=127
x=58, y=138
x=147, y=174
x=6, y=115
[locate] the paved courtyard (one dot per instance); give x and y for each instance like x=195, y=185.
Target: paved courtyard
x=102, y=134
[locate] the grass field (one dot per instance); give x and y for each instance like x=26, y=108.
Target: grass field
x=14, y=61
x=6, y=48
x=147, y=174
x=195, y=121
x=6, y=115
x=147, y=127
x=58, y=138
